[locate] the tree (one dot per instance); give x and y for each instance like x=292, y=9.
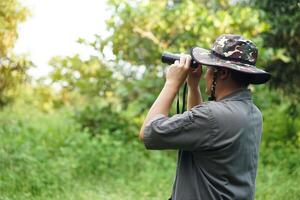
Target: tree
x=284, y=37
x=88, y=77
x=12, y=74
x=12, y=68
x=11, y=14
x=141, y=30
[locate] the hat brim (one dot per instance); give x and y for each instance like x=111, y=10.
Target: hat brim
x=204, y=56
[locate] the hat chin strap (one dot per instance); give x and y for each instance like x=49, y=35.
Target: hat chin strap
x=213, y=86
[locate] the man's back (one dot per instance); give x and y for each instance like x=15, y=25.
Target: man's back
x=220, y=160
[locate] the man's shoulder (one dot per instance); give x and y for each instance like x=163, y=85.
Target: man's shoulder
x=214, y=107
x=229, y=108
x=210, y=107
x=239, y=112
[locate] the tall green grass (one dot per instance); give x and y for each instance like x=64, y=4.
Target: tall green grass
x=49, y=156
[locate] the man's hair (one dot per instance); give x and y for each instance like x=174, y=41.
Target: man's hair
x=240, y=78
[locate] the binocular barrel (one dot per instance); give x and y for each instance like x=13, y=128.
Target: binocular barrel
x=170, y=58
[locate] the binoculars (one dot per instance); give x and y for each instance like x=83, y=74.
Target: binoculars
x=170, y=58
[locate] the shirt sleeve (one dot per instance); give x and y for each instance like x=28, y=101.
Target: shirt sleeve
x=191, y=130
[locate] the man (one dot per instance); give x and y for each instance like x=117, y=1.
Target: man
x=218, y=140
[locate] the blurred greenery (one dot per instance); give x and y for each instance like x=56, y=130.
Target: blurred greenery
x=283, y=37
x=11, y=14
x=76, y=138
x=12, y=68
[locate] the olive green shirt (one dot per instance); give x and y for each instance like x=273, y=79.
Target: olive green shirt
x=218, y=145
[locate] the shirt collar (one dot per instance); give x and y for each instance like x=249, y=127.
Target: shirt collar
x=241, y=94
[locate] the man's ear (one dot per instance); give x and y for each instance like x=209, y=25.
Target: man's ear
x=224, y=73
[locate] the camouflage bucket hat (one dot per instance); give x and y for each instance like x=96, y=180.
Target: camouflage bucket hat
x=233, y=52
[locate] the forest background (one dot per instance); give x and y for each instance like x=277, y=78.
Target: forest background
x=73, y=134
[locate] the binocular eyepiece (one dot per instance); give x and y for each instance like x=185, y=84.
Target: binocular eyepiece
x=170, y=58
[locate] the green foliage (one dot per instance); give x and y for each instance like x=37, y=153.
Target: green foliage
x=103, y=118
x=45, y=98
x=89, y=77
x=142, y=30
x=30, y=154
x=11, y=14
x=12, y=75
x=284, y=38
x=280, y=115
x=80, y=142
x=49, y=156
x=46, y=156
x=12, y=68
x=278, y=171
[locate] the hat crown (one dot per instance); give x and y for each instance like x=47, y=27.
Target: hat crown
x=235, y=47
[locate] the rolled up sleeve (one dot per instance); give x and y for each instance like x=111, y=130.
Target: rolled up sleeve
x=188, y=131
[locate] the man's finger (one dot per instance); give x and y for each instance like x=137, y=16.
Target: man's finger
x=182, y=60
x=187, y=61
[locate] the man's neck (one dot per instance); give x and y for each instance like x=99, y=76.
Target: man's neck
x=225, y=91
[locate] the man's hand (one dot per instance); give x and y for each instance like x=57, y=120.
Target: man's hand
x=194, y=93
x=194, y=76
x=175, y=76
x=177, y=72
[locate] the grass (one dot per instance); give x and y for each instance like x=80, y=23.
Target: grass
x=48, y=156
